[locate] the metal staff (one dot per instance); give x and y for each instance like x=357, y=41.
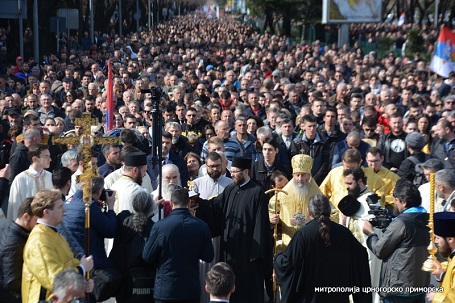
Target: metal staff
x=275, y=238
x=428, y=265
x=156, y=137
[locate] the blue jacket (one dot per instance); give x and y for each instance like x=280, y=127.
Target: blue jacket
x=175, y=246
x=102, y=225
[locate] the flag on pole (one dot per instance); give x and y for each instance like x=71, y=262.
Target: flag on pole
x=109, y=98
x=401, y=19
x=444, y=55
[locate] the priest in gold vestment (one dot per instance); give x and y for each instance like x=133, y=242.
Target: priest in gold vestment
x=292, y=209
x=444, y=231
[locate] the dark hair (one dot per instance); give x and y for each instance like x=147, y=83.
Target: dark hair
x=406, y=191
x=28, y=120
x=357, y=173
x=61, y=176
x=166, y=135
x=370, y=122
x=309, y=118
x=270, y=141
x=319, y=206
x=35, y=151
x=275, y=174
x=214, y=156
x=333, y=110
x=128, y=136
x=25, y=207
x=97, y=184
x=180, y=197
x=375, y=150
x=220, y=280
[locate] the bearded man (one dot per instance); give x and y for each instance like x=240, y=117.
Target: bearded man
x=170, y=181
x=292, y=209
x=127, y=185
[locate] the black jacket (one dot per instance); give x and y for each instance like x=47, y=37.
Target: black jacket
x=407, y=167
x=391, y=144
x=12, y=245
x=438, y=151
x=319, y=150
x=261, y=175
x=19, y=161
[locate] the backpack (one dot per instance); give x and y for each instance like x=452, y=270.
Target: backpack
x=419, y=177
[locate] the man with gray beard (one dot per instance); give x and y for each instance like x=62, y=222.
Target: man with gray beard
x=170, y=181
x=292, y=209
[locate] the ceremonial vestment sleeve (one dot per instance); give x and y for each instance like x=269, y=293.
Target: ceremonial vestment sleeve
x=448, y=285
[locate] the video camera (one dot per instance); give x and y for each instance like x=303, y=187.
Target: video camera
x=106, y=193
x=156, y=92
x=382, y=216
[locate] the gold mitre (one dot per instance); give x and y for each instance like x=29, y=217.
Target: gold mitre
x=302, y=164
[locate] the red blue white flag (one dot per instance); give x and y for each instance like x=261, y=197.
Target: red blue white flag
x=109, y=98
x=444, y=55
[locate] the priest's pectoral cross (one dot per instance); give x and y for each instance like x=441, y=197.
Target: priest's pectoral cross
x=86, y=142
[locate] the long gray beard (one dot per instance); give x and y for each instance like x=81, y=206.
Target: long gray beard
x=302, y=190
x=167, y=189
x=278, y=130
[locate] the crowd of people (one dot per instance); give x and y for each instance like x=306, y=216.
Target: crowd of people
x=333, y=132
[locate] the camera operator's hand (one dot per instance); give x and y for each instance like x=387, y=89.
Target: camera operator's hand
x=110, y=200
x=5, y=172
x=367, y=228
x=87, y=262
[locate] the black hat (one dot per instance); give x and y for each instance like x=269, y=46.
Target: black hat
x=67, y=79
x=349, y=205
x=444, y=224
x=135, y=159
x=13, y=111
x=241, y=162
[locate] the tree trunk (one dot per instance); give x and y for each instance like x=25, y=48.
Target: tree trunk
x=286, y=26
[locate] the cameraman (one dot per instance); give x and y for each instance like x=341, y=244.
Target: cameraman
x=403, y=246
x=103, y=224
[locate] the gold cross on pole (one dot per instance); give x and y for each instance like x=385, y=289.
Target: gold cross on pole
x=86, y=141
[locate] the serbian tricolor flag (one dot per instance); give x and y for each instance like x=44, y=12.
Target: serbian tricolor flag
x=401, y=19
x=444, y=55
x=109, y=98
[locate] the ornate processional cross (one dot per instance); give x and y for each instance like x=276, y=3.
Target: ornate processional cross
x=86, y=141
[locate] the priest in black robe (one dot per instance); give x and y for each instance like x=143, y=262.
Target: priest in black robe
x=323, y=262
x=246, y=243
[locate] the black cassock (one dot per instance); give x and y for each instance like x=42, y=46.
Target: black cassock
x=245, y=242
x=307, y=264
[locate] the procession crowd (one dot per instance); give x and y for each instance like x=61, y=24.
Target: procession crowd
x=329, y=132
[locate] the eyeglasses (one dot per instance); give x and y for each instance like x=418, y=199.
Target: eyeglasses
x=438, y=104
x=236, y=172
x=214, y=166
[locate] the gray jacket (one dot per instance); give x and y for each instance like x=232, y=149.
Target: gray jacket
x=403, y=249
